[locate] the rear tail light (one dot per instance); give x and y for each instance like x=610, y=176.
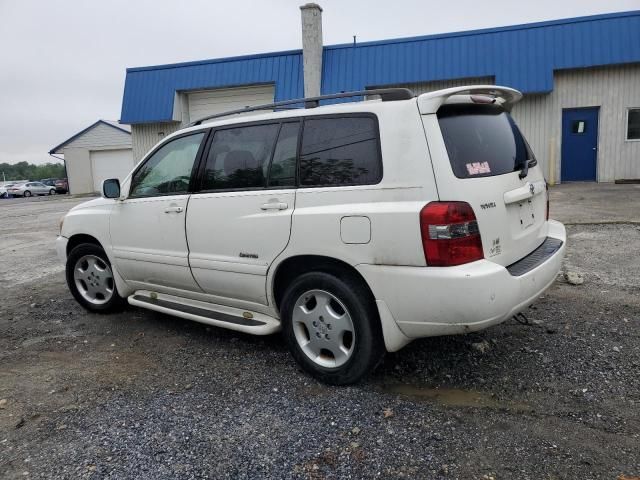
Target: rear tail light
x=450, y=234
x=546, y=217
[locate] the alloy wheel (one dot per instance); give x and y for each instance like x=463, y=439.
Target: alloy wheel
x=323, y=328
x=94, y=279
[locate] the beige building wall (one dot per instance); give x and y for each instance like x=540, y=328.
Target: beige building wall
x=79, y=172
x=145, y=136
x=614, y=90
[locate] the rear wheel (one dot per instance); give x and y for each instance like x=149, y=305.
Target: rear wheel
x=90, y=279
x=27, y=193
x=332, y=327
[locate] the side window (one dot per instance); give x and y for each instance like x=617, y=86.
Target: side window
x=168, y=170
x=239, y=157
x=633, y=124
x=283, y=165
x=340, y=151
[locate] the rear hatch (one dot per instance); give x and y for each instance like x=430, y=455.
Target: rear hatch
x=480, y=157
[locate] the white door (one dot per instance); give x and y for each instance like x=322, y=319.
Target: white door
x=110, y=164
x=209, y=102
x=241, y=220
x=148, y=227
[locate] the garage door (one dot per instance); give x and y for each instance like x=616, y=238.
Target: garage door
x=210, y=102
x=110, y=164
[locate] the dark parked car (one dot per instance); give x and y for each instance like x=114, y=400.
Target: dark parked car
x=62, y=185
x=51, y=182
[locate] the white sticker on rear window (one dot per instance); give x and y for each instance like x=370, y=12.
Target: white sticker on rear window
x=478, y=168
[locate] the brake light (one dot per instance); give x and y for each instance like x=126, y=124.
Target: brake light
x=482, y=99
x=450, y=234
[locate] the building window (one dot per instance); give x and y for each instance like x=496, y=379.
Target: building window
x=633, y=124
x=579, y=127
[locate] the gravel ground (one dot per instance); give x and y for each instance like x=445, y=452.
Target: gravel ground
x=144, y=395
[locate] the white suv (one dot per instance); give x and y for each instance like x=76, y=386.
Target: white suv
x=352, y=227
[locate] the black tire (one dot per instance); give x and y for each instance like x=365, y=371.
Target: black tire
x=115, y=303
x=368, y=348
x=26, y=193
x=52, y=192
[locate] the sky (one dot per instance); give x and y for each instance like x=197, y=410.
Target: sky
x=63, y=62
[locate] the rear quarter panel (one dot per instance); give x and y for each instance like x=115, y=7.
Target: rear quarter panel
x=392, y=206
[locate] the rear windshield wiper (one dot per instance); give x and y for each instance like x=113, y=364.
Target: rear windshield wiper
x=525, y=170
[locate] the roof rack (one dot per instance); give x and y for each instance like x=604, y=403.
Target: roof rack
x=386, y=94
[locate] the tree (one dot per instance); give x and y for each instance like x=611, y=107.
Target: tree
x=27, y=171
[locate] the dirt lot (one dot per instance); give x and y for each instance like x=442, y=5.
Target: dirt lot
x=143, y=395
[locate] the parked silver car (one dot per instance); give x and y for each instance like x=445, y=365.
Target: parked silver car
x=30, y=188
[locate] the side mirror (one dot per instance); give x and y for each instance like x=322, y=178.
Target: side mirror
x=111, y=188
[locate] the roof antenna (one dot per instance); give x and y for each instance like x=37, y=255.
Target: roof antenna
x=354, y=40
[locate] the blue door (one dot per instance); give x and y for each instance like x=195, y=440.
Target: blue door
x=579, y=145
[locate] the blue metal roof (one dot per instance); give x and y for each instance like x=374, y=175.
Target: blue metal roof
x=520, y=56
x=149, y=91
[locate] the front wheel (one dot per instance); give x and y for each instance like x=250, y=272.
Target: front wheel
x=27, y=193
x=52, y=192
x=332, y=327
x=91, y=281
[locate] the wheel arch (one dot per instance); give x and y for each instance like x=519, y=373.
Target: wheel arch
x=288, y=269
x=294, y=266
x=80, y=238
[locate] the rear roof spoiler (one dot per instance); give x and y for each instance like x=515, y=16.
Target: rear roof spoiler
x=432, y=101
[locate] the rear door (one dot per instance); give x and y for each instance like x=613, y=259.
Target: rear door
x=480, y=156
x=240, y=220
x=38, y=188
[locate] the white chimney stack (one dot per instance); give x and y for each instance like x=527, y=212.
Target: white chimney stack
x=312, y=48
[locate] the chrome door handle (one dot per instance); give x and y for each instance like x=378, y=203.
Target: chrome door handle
x=274, y=206
x=173, y=210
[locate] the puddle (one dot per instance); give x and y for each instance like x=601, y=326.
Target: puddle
x=453, y=397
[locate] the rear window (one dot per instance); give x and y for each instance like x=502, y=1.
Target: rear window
x=482, y=141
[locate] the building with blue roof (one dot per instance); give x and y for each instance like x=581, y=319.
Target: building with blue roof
x=580, y=78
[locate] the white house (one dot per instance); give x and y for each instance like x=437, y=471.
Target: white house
x=100, y=151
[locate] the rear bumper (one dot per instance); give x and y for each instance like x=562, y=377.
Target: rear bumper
x=430, y=301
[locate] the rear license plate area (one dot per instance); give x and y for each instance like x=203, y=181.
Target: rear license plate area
x=527, y=217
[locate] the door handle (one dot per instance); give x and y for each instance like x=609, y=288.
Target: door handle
x=173, y=210
x=274, y=206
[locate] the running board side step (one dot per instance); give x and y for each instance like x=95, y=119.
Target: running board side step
x=209, y=313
